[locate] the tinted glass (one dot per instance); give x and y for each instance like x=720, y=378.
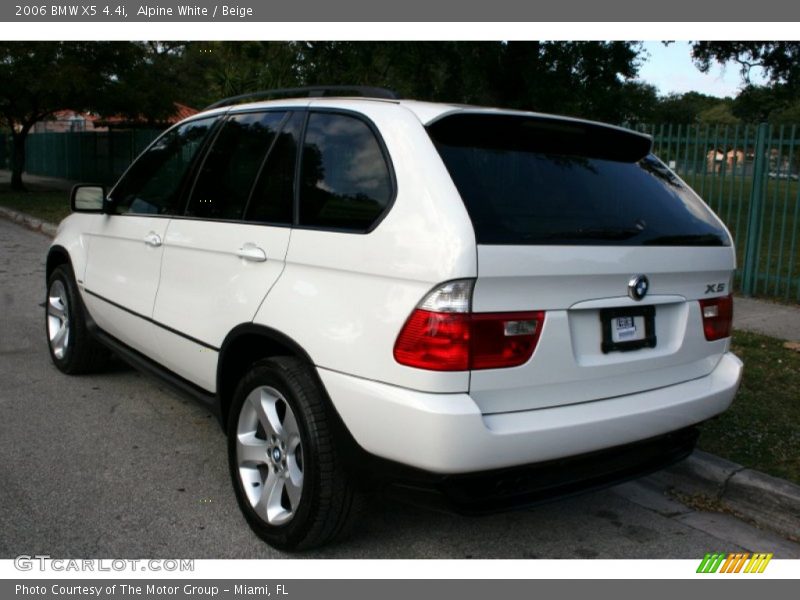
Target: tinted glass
x=345, y=181
x=231, y=165
x=153, y=183
x=273, y=197
x=583, y=192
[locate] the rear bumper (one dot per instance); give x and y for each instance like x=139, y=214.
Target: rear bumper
x=529, y=485
x=447, y=434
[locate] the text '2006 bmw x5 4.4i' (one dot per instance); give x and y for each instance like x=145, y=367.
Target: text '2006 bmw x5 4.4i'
x=482, y=307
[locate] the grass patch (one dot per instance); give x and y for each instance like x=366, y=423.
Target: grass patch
x=51, y=206
x=761, y=430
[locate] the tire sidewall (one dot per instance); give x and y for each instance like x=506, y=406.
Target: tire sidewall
x=64, y=275
x=288, y=535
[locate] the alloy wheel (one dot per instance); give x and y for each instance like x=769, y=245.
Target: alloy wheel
x=58, y=325
x=269, y=454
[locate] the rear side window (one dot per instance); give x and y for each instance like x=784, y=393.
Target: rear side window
x=531, y=181
x=231, y=165
x=153, y=183
x=345, y=180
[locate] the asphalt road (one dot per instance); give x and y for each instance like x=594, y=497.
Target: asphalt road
x=117, y=465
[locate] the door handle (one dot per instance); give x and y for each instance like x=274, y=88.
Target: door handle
x=250, y=251
x=152, y=239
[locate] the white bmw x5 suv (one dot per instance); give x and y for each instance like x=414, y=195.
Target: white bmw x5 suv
x=482, y=308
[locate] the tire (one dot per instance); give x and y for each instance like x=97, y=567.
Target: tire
x=289, y=479
x=72, y=348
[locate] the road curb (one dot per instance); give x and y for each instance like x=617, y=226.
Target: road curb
x=29, y=222
x=768, y=501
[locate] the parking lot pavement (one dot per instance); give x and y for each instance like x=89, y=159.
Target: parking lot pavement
x=116, y=465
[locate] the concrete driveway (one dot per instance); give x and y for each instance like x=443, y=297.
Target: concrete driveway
x=116, y=465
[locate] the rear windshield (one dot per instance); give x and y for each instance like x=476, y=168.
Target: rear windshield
x=538, y=181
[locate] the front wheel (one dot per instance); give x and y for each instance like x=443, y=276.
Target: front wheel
x=287, y=474
x=72, y=348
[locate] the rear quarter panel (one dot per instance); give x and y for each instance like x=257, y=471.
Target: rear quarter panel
x=345, y=296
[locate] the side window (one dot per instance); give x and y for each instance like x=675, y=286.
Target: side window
x=273, y=196
x=153, y=183
x=345, y=181
x=231, y=165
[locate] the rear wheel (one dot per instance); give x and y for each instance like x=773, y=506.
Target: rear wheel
x=72, y=348
x=288, y=476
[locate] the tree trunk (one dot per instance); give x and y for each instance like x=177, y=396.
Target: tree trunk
x=18, y=159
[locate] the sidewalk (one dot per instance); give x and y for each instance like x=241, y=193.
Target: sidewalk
x=769, y=318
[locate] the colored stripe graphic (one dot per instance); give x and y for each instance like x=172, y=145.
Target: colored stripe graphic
x=704, y=563
x=740, y=562
x=729, y=562
x=758, y=563
x=722, y=562
x=711, y=562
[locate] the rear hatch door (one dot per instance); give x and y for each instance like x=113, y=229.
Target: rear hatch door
x=577, y=219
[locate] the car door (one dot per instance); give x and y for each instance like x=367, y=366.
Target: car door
x=224, y=254
x=125, y=249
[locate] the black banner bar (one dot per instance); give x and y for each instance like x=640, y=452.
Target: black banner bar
x=407, y=589
x=409, y=10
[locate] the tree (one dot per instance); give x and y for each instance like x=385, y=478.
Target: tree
x=683, y=108
x=719, y=114
x=755, y=103
x=788, y=115
x=210, y=71
x=779, y=60
x=640, y=102
x=577, y=78
x=142, y=80
x=39, y=78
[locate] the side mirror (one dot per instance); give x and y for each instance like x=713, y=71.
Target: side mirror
x=88, y=199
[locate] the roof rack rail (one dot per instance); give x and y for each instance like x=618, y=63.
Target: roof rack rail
x=311, y=91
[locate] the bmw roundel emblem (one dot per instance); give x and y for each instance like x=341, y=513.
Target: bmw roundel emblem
x=638, y=286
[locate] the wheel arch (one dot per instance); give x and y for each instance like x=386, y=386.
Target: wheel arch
x=250, y=342
x=244, y=345
x=56, y=256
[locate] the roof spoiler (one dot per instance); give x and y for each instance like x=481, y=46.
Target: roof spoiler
x=540, y=134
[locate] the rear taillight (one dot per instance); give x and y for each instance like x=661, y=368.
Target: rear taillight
x=435, y=341
x=442, y=334
x=502, y=340
x=717, y=317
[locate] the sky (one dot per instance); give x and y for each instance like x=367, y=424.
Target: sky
x=670, y=69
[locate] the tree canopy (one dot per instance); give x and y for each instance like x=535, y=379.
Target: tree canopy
x=578, y=78
x=40, y=78
x=779, y=100
x=779, y=60
x=591, y=79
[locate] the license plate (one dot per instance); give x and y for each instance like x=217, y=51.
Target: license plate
x=628, y=328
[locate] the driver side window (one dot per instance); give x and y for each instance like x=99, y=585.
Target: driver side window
x=152, y=186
